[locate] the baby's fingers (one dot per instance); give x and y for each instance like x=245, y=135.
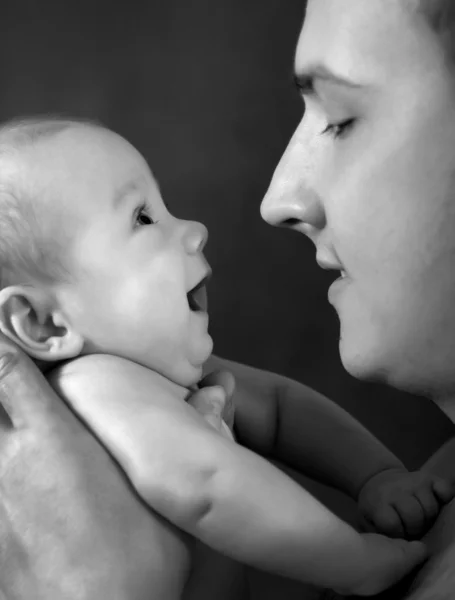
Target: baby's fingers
x=429, y=504
x=387, y=521
x=412, y=515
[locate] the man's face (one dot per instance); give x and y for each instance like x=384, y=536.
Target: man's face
x=369, y=177
x=132, y=263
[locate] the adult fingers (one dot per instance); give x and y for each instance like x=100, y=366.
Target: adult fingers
x=209, y=402
x=25, y=395
x=226, y=380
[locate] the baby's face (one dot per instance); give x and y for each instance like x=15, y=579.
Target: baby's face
x=133, y=263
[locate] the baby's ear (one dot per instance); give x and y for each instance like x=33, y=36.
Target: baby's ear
x=29, y=318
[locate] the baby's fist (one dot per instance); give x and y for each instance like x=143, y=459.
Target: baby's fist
x=399, y=503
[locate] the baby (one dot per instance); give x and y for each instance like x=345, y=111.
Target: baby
x=98, y=278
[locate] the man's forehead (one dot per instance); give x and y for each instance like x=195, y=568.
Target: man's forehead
x=355, y=39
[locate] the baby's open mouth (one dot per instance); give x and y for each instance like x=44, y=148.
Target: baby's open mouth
x=197, y=297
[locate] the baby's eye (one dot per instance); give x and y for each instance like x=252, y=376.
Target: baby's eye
x=142, y=216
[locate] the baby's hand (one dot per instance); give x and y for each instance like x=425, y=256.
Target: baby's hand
x=399, y=503
x=384, y=563
x=213, y=400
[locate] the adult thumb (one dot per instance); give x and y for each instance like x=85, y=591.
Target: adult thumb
x=209, y=403
x=414, y=553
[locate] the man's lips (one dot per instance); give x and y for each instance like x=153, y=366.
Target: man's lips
x=337, y=287
x=329, y=265
x=327, y=261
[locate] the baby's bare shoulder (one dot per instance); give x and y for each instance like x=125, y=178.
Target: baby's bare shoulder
x=101, y=374
x=87, y=380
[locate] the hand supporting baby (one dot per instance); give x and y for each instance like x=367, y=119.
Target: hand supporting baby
x=214, y=401
x=221, y=493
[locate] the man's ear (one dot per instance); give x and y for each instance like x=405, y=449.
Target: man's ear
x=29, y=319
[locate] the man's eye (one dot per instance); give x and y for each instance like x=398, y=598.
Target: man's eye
x=336, y=130
x=142, y=217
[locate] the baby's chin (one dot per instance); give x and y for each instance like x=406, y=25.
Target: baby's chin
x=186, y=376
x=194, y=378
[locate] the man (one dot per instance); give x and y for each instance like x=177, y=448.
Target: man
x=71, y=526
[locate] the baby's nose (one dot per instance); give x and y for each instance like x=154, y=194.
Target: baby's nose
x=196, y=236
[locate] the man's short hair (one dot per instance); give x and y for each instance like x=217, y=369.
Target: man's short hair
x=440, y=16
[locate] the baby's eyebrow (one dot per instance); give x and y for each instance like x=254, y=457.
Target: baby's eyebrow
x=157, y=183
x=305, y=79
x=134, y=186
x=124, y=190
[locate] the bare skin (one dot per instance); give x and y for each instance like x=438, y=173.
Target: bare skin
x=368, y=177
x=180, y=467
x=70, y=526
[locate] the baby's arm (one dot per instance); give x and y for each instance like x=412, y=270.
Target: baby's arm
x=288, y=421
x=223, y=494
x=285, y=420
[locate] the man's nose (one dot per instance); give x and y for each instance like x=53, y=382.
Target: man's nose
x=292, y=200
x=195, y=237
x=294, y=207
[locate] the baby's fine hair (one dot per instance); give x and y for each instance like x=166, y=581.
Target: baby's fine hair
x=25, y=247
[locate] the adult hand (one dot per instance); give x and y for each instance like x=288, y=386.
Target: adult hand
x=399, y=503
x=70, y=526
x=214, y=399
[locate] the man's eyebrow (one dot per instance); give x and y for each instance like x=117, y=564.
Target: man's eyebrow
x=304, y=80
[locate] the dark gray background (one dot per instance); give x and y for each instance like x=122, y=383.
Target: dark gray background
x=204, y=89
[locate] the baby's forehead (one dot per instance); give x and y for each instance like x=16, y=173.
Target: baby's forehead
x=87, y=156
x=73, y=176
x=90, y=143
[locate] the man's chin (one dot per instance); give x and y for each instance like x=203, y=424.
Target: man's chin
x=371, y=366
x=362, y=363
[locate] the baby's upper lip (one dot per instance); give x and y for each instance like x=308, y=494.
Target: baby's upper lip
x=197, y=295
x=202, y=281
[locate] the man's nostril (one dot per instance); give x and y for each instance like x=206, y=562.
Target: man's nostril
x=289, y=222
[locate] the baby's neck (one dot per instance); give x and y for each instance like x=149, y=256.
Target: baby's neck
x=45, y=366
x=175, y=388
